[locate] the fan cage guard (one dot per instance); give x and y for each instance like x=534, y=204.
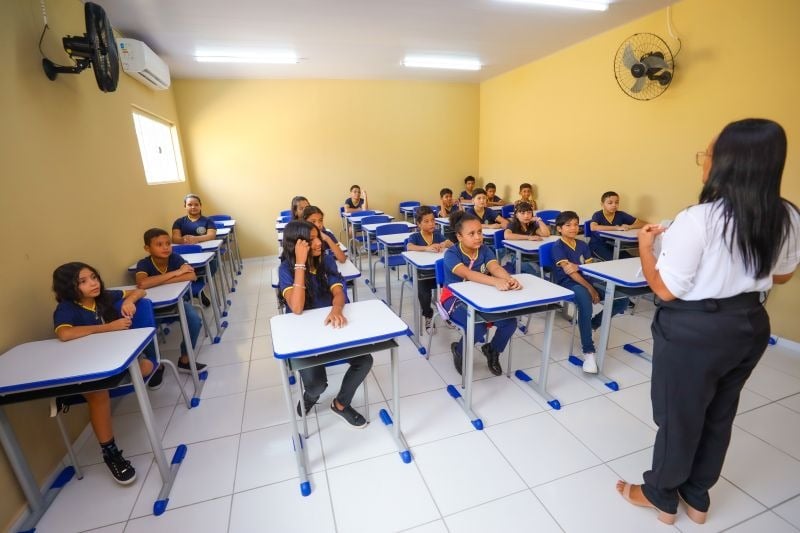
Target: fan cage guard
x=642, y=44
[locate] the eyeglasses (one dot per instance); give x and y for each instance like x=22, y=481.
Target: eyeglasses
x=700, y=158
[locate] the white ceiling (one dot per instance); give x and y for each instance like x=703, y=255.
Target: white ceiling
x=362, y=39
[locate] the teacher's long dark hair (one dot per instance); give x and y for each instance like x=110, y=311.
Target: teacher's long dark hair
x=301, y=230
x=747, y=162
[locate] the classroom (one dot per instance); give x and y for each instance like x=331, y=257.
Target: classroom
x=74, y=190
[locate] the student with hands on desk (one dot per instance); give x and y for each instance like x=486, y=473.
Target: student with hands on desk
x=309, y=279
x=85, y=307
x=471, y=260
x=610, y=218
x=194, y=227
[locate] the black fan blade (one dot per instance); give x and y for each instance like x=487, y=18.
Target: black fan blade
x=628, y=59
x=655, y=62
x=639, y=85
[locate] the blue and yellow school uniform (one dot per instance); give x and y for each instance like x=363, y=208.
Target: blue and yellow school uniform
x=349, y=203
x=198, y=227
x=602, y=248
x=325, y=248
x=577, y=253
x=313, y=281
x=478, y=262
x=488, y=216
x=426, y=286
x=69, y=314
x=419, y=239
x=532, y=228
x=465, y=195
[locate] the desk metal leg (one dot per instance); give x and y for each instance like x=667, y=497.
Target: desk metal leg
x=617, y=247
x=224, y=286
x=168, y=472
x=397, y=435
x=297, y=439
x=468, y=347
x=605, y=330
x=519, y=261
x=198, y=379
x=541, y=387
x=387, y=274
x=215, y=304
x=239, y=261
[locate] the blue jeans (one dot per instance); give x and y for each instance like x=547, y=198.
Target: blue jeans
x=505, y=328
x=587, y=324
x=194, y=322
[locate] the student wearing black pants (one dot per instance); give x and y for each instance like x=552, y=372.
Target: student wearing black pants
x=717, y=259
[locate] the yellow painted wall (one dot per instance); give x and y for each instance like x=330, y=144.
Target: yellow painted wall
x=73, y=188
x=564, y=124
x=252, y=145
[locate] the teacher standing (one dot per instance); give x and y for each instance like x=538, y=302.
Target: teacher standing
x=710, y=329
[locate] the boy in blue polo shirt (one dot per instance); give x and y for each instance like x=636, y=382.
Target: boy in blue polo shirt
x=469, y=184
x=160, y=267
x=488, y=217
x=568, y=253
x=610, y=218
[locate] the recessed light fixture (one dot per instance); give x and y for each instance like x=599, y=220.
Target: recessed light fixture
x=231, y=56
x=592, y=5
x=454, y=63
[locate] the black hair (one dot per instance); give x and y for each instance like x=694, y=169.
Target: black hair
x=516, y=226
x=152, y=233
x=301, y=230
x=566, y=216
x=476, y=192
x=192, y=195
x=65, y=285
x=311, y=210
x=747, y=163
x=469, y=178
x=490, y=185
x=458, y=218
x=525, y=186
x=421, y=212
x=445, y=191
x=296, y=200
x=354, y=187
x=608, y=194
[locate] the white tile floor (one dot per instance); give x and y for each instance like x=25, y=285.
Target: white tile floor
x=531, y=469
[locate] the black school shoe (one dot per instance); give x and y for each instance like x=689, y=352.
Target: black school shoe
x=185, y=368
x=492, y=359
x=204, y=300
x=457, y=357
x=157, y=379
x=120, y=468
x=308, y=404
x=350, y=415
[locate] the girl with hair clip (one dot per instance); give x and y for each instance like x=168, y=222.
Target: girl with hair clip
x=298, y=204
x=330, y=245
x=471, y=260
x=711, y=328
x=309, y=279
x=86, y=307
x=194, y=227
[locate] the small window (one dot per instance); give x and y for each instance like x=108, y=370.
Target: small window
x=160, y=149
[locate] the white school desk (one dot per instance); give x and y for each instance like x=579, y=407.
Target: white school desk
x=443, y=223
x=389, y=242
x=303, y=341
x=523, y=248
x=536, y=295
x=347, y=269
x=407, y=210
x=280, y=225
x=623, y=273
x=631, y=235
x=371, y=229
x=231, y=223
x=167, y=295
x=228, y=234
x=423, y=266
x=226, y=278
x=48, y=368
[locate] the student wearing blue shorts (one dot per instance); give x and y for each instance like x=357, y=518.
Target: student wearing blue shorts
x=309, y=279
x=568, y=254
x=330, y=244
x=470, y=260
x=610, y=218
x=160, y=267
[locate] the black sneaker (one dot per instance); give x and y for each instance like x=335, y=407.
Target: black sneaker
x=204, y=300
x=308, y=404
x=186, y=369
x=457, y=358
x=120, y=468
x=157, y=378
x=492, y=359
x=351, y=416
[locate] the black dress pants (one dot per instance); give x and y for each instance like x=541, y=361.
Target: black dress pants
x=315, y=379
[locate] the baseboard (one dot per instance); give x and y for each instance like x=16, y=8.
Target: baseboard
x=788, y=343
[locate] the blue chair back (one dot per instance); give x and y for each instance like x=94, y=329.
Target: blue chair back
x=375, y=219
x=220, y=217
x=507, y=211
x=439, y=269
x=587, y=229
x=285, y=218
x=365, y=213
x=285, y=213
x=218, y=224
x=548, y=214
x=546, y=255
x=187, y=249
x=390, y=229
x=410, y=203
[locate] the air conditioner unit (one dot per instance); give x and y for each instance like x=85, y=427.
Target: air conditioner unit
x=143, y=64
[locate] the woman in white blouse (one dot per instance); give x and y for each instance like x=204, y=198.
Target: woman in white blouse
x=710, y=329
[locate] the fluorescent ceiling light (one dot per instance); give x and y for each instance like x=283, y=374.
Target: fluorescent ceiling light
x=229, y=56
x=592, y=5
x=455, y=63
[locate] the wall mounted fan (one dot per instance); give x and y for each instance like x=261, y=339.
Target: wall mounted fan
x=97, y=49
x=644, y=66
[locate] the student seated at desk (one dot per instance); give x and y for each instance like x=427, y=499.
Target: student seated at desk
x=427, y=239
x=526, y=195
x=469, y=185
x=471, y=260
x=330, y=245
x=524, y=226
x=309, y=279
x=298, y=204
x=357, y=201
x=610, y=218
x=568, y=253
x=446, y=204
x=194, y=227
x=86, y=307
x=160, y=267
x=488, y=218
x=492, y=200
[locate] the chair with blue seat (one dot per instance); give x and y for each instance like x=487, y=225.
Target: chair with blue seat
x=356, y=236
x=143, y=318
x=394, y=253
x=587, y=230
x=285, y=213
x=507, y=211
x=225, y=253
x=285, y=218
